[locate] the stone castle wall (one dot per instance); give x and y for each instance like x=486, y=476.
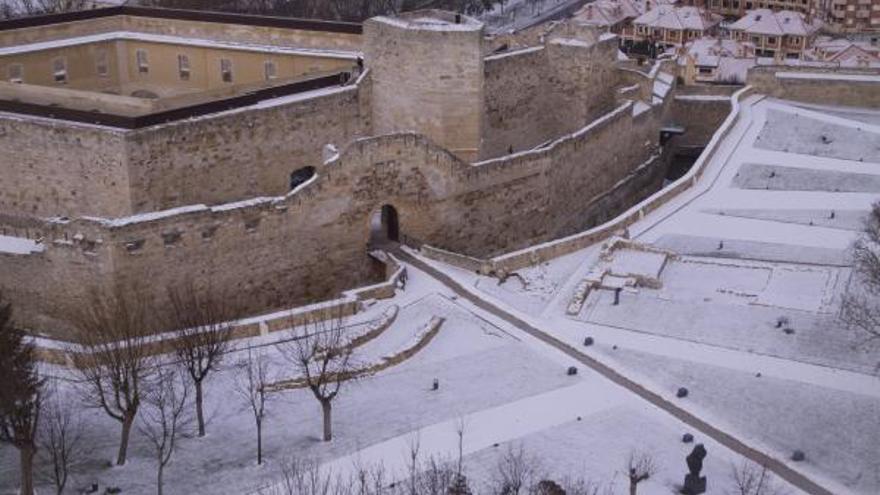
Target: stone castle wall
x=311, y=244
x=67, y=169
x=847, y=87
x=516, y=116
x=425, y=110
x=243, y=153
x=572, y=77
x=427, y=79
x=700, y=116
x=52, y=168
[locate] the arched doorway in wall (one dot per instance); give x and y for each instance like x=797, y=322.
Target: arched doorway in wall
x=384, y=226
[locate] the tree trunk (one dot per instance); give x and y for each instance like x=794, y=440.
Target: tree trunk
x=159, y=479
x=26, y=454
x=633, y=486
x=199, y=414
x=259, y=442
x=328, y=432
x=127, y=421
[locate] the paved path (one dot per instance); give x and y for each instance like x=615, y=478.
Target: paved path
x=777, y=467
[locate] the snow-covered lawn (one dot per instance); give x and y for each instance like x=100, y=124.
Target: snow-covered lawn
x=806, y=132
x=478, y=366
x=752, y=329
x=751, y=250
x=596, y=449
x=842, y=219
x=774, y=177
x=749, y=258
x=836, y=430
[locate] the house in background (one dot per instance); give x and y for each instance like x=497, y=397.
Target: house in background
x=847, y=53
x=672, y=26
x=715, y=61
x=783, y=34
x=617, y=16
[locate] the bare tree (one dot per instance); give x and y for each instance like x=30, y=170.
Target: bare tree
x=860, y=308
x=204, y=330
x=20, y=395
x=516, y=472
x=321, y=360
x=37, y=7
x=639, y=467
x=60, y=439
x=164, y=419
x=750, y=478
x=250, y=384
x=305, y=477
x=116, y=370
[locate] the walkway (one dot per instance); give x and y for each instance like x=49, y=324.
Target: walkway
x=777, y=467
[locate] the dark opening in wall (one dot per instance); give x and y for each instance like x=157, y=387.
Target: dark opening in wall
x=299, y=177
x=384, y=226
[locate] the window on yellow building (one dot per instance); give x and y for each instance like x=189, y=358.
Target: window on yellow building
x=183, y=68
x=102, y=64
x=143, y=63
x=15, y=73
x=226, y=70
x=59, y=70
x=270, y=70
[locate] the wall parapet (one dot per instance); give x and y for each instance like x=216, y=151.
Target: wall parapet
x=825, y=85
x=559, y=247
x=350, y=303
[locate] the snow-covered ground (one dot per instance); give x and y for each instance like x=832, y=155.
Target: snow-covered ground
x=836, y=430
x=763, y=261
x=748, y=260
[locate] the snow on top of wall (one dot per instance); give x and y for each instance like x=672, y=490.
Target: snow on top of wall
x=873, y=78
x=145, y=217
x=640, y=107
x=661, y=89
x=571, y=42
x=426, y=23
x=176, y=40
x=19, y=245
x=513, y=53
x=703, y=98
x=158, y=215
x=244, y=203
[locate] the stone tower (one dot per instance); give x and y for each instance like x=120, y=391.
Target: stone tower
x=427, y=72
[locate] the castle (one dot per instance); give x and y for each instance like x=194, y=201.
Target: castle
x=146, y=148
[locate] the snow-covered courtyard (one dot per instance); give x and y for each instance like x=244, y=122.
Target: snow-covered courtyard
x=746, y=312
x=739, y=285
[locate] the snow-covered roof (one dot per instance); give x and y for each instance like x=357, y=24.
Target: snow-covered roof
x=781, y=23
x=678, y=18
x=708, y=52
x=175, y=40
x=607, y=12
x=734, y=70
x=846, y=53
x=610, y=12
